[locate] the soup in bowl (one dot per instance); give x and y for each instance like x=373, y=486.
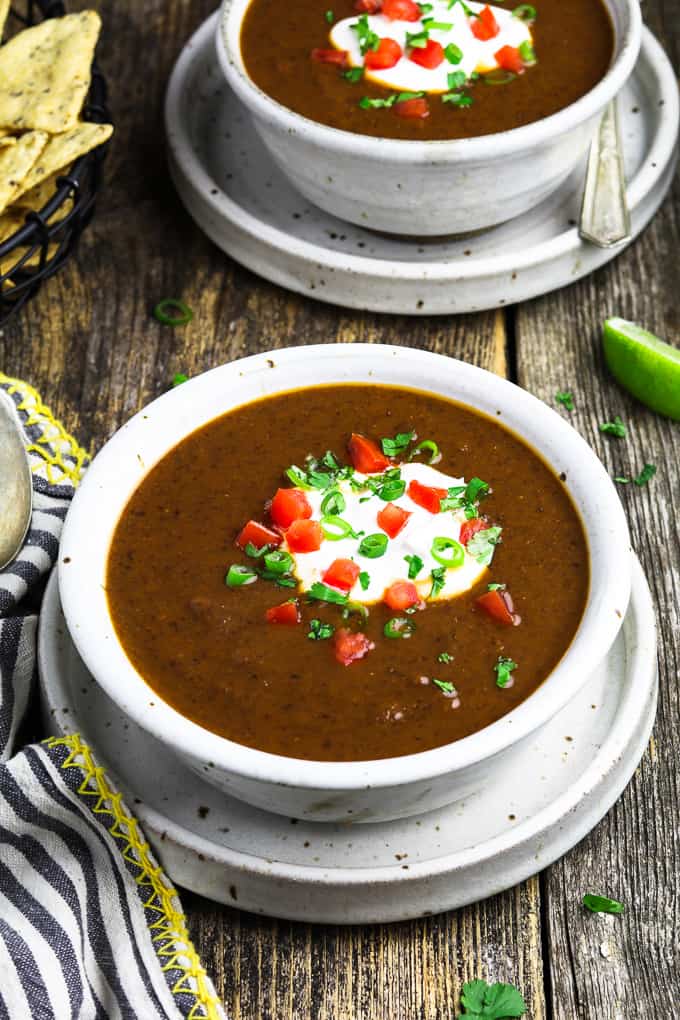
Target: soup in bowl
x=432, y=118
x=343, y=583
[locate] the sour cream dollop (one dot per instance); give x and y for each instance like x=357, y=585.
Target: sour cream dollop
x=477, y=55
x=415, y=539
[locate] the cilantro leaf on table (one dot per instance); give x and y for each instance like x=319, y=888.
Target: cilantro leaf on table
x=482, y=1001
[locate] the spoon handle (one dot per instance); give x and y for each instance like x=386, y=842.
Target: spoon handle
x=605, y=217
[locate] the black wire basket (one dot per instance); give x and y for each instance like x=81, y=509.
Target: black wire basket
x=39, y=248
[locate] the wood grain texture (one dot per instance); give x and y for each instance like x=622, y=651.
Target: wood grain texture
x=90, y=344
x=622, y=968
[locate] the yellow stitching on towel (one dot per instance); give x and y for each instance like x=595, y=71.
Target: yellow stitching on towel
x=54, y=436
x=178, y=952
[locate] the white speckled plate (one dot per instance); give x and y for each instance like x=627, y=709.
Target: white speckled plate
x=533, y=811
x=235, y=194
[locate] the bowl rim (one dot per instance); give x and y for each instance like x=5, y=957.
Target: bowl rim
x=82, y=578
x=476, y=148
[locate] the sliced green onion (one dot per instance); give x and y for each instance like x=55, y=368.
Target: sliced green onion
x=354, y=74
x=172, y=312
x=453, y=53
x=429, y=445
x=373, y=546
x=525, y=13
x=417, y=40
x=444, y=685
x=457, y=99
x=335, y=528
x=322, y=593
x=498, y=77
x=527, y=53
x=238, y=575
x=330, y=17
x=355, y=609
x=399, y=627
x=448, y=552
x=179, y=378
x=333, y=503
x=437, y=26
x=475, y=490
x=392, y=489
x=256, y=553
x=456, y=79
x=298, y=477
x=278, y=562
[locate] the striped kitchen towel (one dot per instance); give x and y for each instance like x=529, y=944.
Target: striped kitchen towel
x=90, y=926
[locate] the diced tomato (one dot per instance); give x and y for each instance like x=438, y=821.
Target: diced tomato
x=484, y=26
x=430, y=55
x=387, y=54
x=341, y=574
x=426, y=496
x=509, y=58
x=392, y=519
x=304, y=536
x=401, y=10
x=494, y=605
x=289, y=505
x=350, y=646
x=366, y=456
x=287, y=613
x=414, y=109
x=258, y=535
x=401, y=595
x=470, y=528
x=338, y=57
x=367, y=6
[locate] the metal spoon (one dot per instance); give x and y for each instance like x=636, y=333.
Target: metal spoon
x=16, y=484
x=605, y=217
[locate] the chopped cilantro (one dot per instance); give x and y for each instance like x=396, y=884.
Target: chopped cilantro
x=417, y=40
x=354, y=74
x=503, y=670
x=330, y=17
x=496, y=587
x=415, y=565
x=322, y=593
x=566, y=399
x=482, y=545
x=453, y=53
x=481, y=1001
x=179, y=378
x=646, y=475
x=395, y=445
x=614, y=428
x=456, y=79
x=527, y=53
x=444, y=685
x=438, y=576
x=437, y=26
x=368, y=40
x=444, y=657
x=602, y=904
x=320, y=631
x=366, y=103
x=364, y=580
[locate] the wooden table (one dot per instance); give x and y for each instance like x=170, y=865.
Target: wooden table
x=91, y=346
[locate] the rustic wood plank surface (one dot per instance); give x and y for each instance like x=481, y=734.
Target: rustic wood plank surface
x=89, y=343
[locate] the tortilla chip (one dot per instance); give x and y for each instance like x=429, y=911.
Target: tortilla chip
x=4, y=11
x=15, y=163
x=10, y=222
x=45, y=73
x=61, y=150
x=10, y=261
x=37, y=198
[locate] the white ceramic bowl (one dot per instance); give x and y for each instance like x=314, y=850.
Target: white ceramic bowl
x=331, y=791
x=429, y=187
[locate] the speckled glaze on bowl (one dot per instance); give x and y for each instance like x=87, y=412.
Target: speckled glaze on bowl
x=335, y=791
x=427, y=188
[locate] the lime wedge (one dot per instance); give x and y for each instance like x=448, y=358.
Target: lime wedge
x=644, y=365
